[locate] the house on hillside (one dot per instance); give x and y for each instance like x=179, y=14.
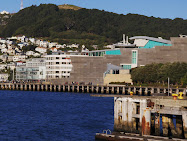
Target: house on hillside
x=41, y=49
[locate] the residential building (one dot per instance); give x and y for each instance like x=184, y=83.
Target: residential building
x=41, y=49
x=34, y=69
x=53, y=44
x=4, y=12
x=19, y=58
x=58, y=66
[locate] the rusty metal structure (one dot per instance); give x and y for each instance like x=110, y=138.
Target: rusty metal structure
x=147, y=116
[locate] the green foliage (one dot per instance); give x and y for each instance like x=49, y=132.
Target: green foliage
x=184, y=80
x=159, y=73
x=29, y=48
x=47, y=20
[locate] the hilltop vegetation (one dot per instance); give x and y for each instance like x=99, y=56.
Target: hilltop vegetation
x=159, y=73
x=88, y=26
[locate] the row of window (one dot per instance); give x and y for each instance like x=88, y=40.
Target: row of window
x=57, y=63
x=53, y=72
x=53, y=58
x=57, y=76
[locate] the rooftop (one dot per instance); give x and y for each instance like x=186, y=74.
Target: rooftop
x=151, y=38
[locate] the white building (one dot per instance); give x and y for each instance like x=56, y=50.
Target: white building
x=4, y=50
x=53, y=44
x=44, y=44
x=73, y=46
x=41, y=49
x=19, y=58
x=2, y=41
x=28, y=53
x=4, y=12
x=34, y=69
x=58, y=66
x=32, y=40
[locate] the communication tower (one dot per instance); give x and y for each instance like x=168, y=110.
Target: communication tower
x=21, y=5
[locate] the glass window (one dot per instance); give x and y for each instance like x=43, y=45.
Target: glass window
x=134, y=57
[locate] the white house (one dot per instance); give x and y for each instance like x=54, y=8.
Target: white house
x=36, y=54
x=73, y=46
x=2, y=46
x=19, y=58
x=2, y=41
x=59, y=46
x=53, y=44
x=4, y=12
x=32, y=40
x=21, y=45
x=44, y=44
x=28, y=53
x=41, y=49
x=4, y=50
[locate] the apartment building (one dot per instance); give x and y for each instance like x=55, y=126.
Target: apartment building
x=58, y=66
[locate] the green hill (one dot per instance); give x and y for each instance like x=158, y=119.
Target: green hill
x=88, y=26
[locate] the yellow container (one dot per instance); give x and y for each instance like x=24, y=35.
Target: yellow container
x=180, y=95
x=131, y=93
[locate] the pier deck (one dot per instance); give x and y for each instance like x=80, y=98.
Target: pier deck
x=97, y=89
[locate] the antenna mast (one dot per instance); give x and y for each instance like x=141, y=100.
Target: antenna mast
x=21, y=5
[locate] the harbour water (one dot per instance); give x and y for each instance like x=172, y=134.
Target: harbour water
x=53, y=116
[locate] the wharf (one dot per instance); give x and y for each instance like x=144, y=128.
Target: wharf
x=97, y=89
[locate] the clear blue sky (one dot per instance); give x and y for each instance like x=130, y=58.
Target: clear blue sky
x=157, y=8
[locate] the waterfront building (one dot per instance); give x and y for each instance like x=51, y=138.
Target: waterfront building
x=116, y=74
x=58, y=66
x=34, y=69
x=92, y=66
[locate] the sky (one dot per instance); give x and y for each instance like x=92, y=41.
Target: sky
x=157, y=8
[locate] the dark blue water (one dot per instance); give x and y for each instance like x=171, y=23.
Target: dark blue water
x=53, y=116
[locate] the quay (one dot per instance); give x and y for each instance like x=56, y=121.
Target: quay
x=154, y=118
x=99, y=89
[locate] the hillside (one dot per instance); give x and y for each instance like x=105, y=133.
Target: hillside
x=88, y=26
x=67, y=6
